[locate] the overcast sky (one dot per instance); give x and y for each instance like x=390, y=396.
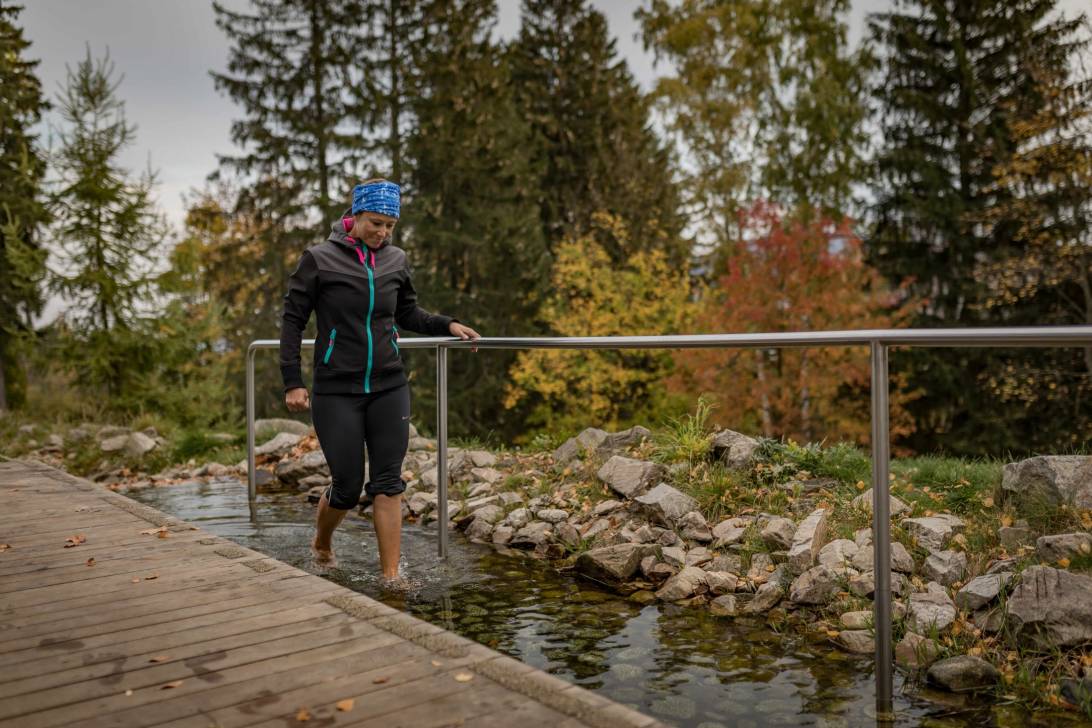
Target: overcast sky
x=165, y=49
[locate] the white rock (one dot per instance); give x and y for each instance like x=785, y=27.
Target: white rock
x=809, y=538
x=864, y=503
x=839, y=552
x=933, y=532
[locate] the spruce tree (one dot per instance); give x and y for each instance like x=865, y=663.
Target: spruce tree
x=959, y=79
x=592, y=135
x=22, y=258
x=108, y=227
x=475, y=238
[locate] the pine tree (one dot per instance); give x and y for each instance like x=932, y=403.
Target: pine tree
x=22, y=258
x=475, y=237
x=107, y=225
x=592, y=134
x=959, y=78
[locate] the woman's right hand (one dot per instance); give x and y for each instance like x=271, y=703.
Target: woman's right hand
x=297, y=400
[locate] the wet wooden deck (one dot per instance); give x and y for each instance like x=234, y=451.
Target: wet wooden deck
x=151, y=621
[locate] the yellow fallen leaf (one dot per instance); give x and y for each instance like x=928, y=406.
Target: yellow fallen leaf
x=463, y=677
x=1006, y=520
x=1063, y=562
x=303, y=715
x=988, y=501
x=159, y=658
x=172, y=684
x=860, y=485
x=1085, y=548
x=436, y=663
x=345, y=705
x=832, y=633
x=5, y=546
x=74, y=540
x=163, y=534
x=380, y=680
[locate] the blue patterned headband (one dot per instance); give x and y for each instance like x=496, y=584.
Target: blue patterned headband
x=382, y=197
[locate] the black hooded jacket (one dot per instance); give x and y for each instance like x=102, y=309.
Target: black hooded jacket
x=361, y=297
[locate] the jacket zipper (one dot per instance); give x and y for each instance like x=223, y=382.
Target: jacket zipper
x=330, y=348
x=394, y=340
x=368, y=323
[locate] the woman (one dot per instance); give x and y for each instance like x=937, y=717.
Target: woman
x=359, y=286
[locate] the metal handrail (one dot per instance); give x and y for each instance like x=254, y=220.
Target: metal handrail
x=878, y=341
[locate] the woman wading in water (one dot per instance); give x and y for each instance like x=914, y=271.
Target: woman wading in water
x=359, y=287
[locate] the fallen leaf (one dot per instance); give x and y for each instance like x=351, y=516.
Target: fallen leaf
x=159, y=658
x=463, y=677
x=172, y=684
x=4, y=546
x=380, y=680
x=149, y=577
x=136, y=579
x=1006, y=520
x=833, y=633
x=988, y=501
x=1063, y=562
x=163, y=534
x=91, y=561
x=303, y=715
x=74, y=540
x=150, y=531
x=345, y=705
x=436, y=663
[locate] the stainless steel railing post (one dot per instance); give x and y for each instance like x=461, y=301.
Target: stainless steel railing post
x=251, y=483
x=881, y=532
x=441, y=445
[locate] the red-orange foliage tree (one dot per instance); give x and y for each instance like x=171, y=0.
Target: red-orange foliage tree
x=785, y=275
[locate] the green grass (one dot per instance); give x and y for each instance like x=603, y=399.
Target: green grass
x=686, y=439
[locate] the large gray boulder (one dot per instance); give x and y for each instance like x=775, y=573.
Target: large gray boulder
x=981, y=590
x=281, y=443
x=693, y=527
x=945, y=567
x=729, y=531
x=778, y=533
x=1063, y=546
x=817, y=585
x=688, y=582
x=963, y=673
x=613, y=563
x=1051, y=608
x=901, y=560
x=666, y=504
x=809, y=538
x=766, y=597
x=1050, y=479
x=733, y=448
x=533, y=534
x=933, y=532
x=838, y=553
x=629, y=477
x=292, y=472
x=587, y=441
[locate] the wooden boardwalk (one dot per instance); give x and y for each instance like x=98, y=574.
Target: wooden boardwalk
x=151, y=621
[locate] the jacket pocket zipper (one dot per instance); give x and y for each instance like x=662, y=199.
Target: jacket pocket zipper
x=394, y=340
x=330, y=348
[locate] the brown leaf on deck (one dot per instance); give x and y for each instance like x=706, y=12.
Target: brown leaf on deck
x=463, y=677
x=346, y=705
x=91, y=561
x=74, y=540
x=160, y=658
x=380, y=680
x=149, y=577
x=5, y=546
x=150, y=531
x=303, y=715
x=172, y=684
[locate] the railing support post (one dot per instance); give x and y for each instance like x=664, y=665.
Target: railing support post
x=881, y=531
x=251, y=483
x=441, y=445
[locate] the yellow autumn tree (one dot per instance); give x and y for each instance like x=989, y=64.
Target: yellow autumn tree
x=569, y=389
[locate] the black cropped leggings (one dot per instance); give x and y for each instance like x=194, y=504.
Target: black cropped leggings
x=345, y=424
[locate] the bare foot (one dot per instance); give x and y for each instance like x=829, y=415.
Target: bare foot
x=396, y=583
x=324, y=558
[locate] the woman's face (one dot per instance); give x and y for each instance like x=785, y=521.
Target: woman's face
x=373, y=228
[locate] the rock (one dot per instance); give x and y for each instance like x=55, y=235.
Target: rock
x=1002, y=565
x=945, y=567
x=606, y=507
x=963, y=673
x=568, y=534
x=981, y=590
x=626, y=438
x=552, y=515
x=487, y=475
x=674, y=555
x=502, y=535
x=692, y=527
x=629, y=477
x=1063, y=546
x=291, y=472
x=312, y=481
x=665, y=504
x=481, y=459
x=901, y=560
x=930, y=609
x=838, y=553
x=733, y=449
x=933, y=532
x=1050, y=480
x=644, y=534
x=817, y=585
x=668, y=538
x=766, y=598
x=858, y=641
x=728, y=605
x=419, y=503
x=510, y=499
x=480, y=530
x=587, y=441
x=729, y=532
x=421, y=443
x=1013, y=537
x=139, y=444
x=490, y=513
x=108, y=431
x=857, y=620
x=863, y=538
x=864, y=584
x=518, y=518
x=1051, y=608
x=613, y=563
x=864, y=503
x=698, y=556
x=114, y=443
x=281, y=443
x=914, y=651
x=531, y=535
x=595, y=528
x=778, y=533
x=683, y=585
x=721, y=582
x=761, y=566
x=808, y=540
x=732, y=563
x=269, y=427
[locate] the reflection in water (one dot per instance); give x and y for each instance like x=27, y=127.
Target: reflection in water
x=680, y=664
